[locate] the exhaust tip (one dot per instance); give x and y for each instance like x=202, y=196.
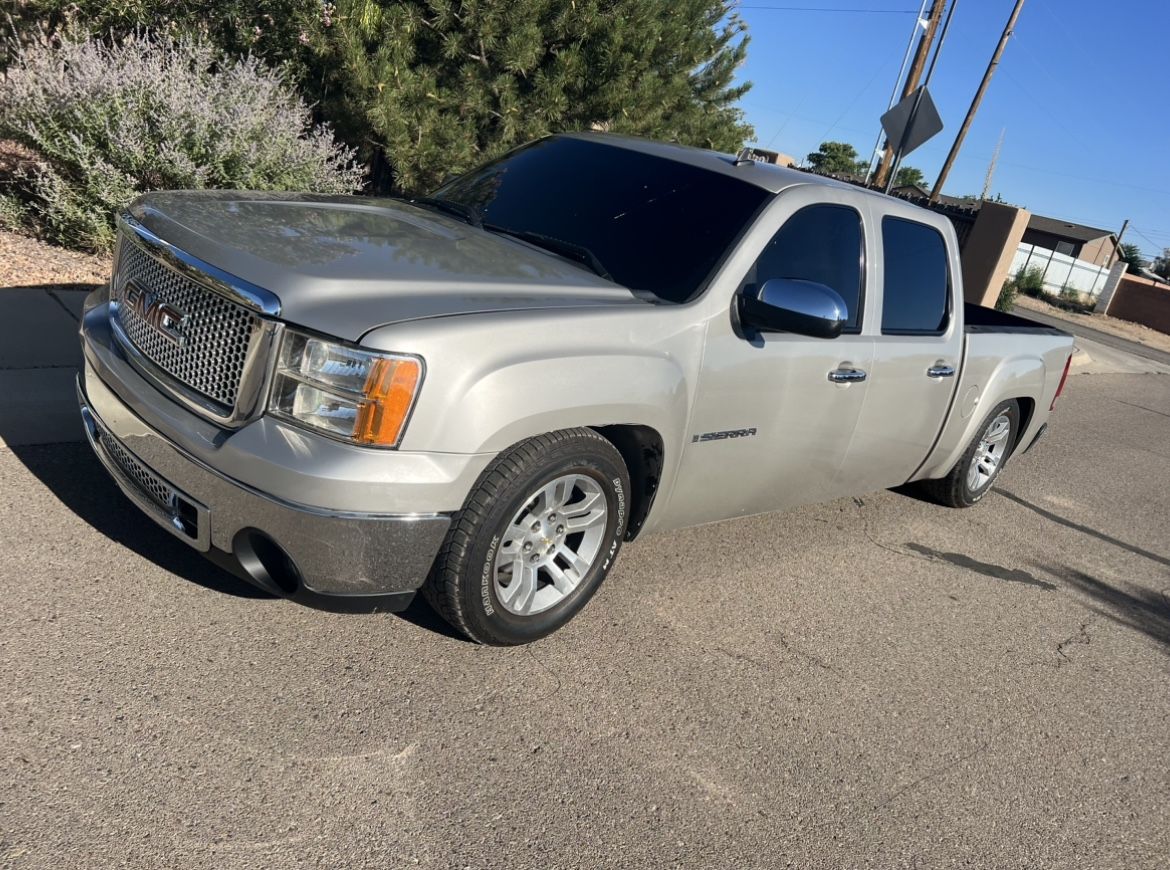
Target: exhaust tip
x=266, y=562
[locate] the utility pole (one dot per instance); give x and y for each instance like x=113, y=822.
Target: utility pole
x=919, y=21
x=919, y=93
x=950, y=161
x=991, y=165
x=1117, y=247
x=916, y=68
x=1111, y=262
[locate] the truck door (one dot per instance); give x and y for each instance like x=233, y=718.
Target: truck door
x=917, y=352
x=770, y=428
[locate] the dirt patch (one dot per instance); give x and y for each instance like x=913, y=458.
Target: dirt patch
x=27, y=262
x=1113, y=326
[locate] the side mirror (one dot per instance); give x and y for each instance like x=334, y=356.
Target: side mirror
x=793, y=305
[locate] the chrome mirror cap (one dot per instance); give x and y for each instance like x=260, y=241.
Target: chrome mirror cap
x=794, y=305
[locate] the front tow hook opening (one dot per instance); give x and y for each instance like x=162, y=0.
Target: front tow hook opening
x=266, y=562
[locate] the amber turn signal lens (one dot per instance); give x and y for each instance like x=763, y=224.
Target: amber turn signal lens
x=389, y=391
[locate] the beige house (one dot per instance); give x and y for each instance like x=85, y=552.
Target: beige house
x=1076, y=240
x=1090, y=244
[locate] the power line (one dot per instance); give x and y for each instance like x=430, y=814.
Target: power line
x=1157, y=247
x=1082, y=177
x=853, y=102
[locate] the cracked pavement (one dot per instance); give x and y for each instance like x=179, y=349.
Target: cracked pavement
x=876, y=682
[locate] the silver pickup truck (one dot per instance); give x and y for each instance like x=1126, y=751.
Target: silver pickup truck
x=483, y=393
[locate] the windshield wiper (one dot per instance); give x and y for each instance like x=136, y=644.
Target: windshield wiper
x=569, y=250
x=458, y=209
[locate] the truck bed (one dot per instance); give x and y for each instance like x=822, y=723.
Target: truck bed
x=980, y=319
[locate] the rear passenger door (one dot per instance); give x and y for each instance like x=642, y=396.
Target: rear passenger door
x=918, y=344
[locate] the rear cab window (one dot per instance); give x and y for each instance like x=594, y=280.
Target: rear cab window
x=916, y=296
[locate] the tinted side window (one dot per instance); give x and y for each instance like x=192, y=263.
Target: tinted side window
x=917, y=285
x=819, y=243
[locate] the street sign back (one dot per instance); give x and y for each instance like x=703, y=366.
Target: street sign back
x=907, y=132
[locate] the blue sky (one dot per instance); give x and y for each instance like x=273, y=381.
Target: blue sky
x=1083, y=92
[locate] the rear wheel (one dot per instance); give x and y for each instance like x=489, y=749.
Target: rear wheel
x=982, y=461
x=536, y=537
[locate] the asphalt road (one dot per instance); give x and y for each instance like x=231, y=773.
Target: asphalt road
x=876, y=682
x=1106, y=338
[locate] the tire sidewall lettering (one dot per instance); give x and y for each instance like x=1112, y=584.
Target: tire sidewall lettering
x=485, y=583
x=620, y=494
x=489, y=618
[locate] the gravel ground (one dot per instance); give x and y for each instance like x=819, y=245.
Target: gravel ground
x=1112, y=325
x=26, y=262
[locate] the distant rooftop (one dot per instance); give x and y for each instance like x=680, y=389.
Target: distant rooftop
x=1040, y=223
x=1057, y=227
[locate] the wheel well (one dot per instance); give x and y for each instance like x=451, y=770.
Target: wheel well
x=1027, y=409
x=642, y=450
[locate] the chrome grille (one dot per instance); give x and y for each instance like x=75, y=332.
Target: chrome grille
x=217, y=333
x=146, y=481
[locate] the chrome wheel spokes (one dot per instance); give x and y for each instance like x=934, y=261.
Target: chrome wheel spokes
x=551, y=544
x=989, y=454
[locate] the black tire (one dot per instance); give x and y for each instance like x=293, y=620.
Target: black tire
x=954, y=489
x=460, y=586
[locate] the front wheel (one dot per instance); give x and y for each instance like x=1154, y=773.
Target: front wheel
x=982, y=461
x=535, y=538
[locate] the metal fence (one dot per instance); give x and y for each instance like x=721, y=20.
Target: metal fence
x=1062, y=271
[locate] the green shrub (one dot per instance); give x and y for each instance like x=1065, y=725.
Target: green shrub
x=107, y=121
x=1030, y=282
x=12, y=212
x=1070, y=295
x=1007, y=296
x=271, y=29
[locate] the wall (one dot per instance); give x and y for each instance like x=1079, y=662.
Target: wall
x=1141, y=300
x=1116, y=273
x=1061, y=270
x=1099, y=252
x=1102, y=251
x=990, y=246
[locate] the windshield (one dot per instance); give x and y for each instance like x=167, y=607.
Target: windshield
x=654, y=224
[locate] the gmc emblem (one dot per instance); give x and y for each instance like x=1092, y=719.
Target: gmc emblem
x=168, y=320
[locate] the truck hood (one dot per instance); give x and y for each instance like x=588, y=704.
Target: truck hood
x=343, y=265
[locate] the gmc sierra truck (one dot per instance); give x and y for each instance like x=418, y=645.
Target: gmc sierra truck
x=484, y=392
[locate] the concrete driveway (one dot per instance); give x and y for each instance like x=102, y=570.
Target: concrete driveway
x=875, y=682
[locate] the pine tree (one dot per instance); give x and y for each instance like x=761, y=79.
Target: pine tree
x=445, y=84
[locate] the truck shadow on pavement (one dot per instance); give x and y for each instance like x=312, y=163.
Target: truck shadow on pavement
x=988, y=569
x=1083, y=529
x=73, y=474
x=1143, y=610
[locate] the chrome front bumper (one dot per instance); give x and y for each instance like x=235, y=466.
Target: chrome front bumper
x=333, y=553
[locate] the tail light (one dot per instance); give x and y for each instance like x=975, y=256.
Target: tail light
x=1063, y=378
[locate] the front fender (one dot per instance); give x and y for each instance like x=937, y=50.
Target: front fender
x=529, y=398
x=492, y=381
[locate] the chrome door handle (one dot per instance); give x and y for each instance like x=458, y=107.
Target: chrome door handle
x=847, y=376
x=940, y=372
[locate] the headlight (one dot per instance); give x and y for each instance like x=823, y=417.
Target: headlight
x=357, y=395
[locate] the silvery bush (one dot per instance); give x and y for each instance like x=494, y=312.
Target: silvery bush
x=107, y=121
